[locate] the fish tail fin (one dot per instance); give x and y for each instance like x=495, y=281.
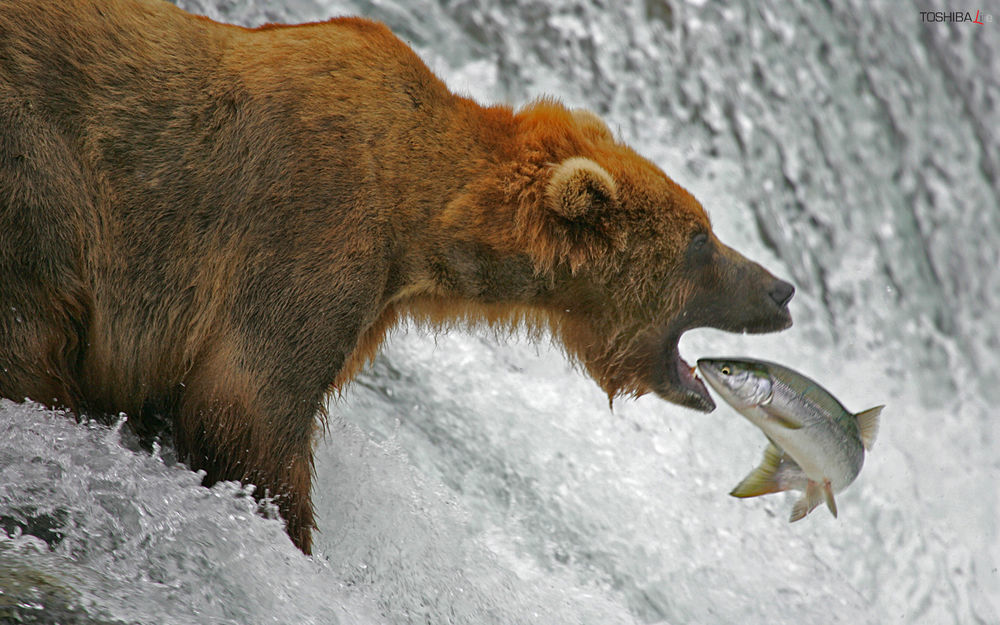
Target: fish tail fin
x=763, y=479
x=868, y=424
x=807, y=503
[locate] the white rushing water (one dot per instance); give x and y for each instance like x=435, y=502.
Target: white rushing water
x=474, y=479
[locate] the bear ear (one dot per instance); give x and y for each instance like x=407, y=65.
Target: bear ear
x=592, y=124
x=578, y=219
x=579, y=188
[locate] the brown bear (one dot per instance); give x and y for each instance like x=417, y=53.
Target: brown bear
x=214, y=226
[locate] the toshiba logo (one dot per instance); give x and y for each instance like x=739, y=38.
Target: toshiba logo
x=956, y=17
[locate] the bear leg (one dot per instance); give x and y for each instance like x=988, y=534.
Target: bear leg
x=41, y=353
x=230, y=427
x=45, y=226
x=233, y=442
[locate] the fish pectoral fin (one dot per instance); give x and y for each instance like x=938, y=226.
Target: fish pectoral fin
x=828, y=496
x=763, y=479
x=783, y=419
x=807, y=503
x=788, y=423
x=868, y=424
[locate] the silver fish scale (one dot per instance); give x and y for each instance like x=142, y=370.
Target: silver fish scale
x=839, y=450
x=812, y=403
x=826, y=444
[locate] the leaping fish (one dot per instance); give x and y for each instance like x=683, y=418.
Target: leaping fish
x=816, y=445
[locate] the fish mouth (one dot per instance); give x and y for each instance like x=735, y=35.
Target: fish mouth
x=676, y=381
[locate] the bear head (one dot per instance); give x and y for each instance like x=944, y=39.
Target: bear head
x=613, y=257
x=635, y=264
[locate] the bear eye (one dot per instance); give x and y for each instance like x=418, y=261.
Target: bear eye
x=699, y=240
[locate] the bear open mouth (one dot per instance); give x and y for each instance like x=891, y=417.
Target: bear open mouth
x=671, y=377
x=688, y=389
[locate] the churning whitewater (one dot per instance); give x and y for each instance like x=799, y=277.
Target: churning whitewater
x=473, y=479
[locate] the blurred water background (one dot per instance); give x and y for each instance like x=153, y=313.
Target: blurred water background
x=473, y=479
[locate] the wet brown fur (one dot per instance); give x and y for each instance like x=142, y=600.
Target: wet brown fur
x=217, y=226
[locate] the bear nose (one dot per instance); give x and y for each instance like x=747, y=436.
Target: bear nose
x=781, y=292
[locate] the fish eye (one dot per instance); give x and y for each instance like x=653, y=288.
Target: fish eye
x=725, y=370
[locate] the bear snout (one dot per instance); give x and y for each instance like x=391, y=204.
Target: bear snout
x=781, y=293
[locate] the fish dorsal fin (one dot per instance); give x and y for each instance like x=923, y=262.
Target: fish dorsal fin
x=868, y=424
x=761, y=480
x=807, y=503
